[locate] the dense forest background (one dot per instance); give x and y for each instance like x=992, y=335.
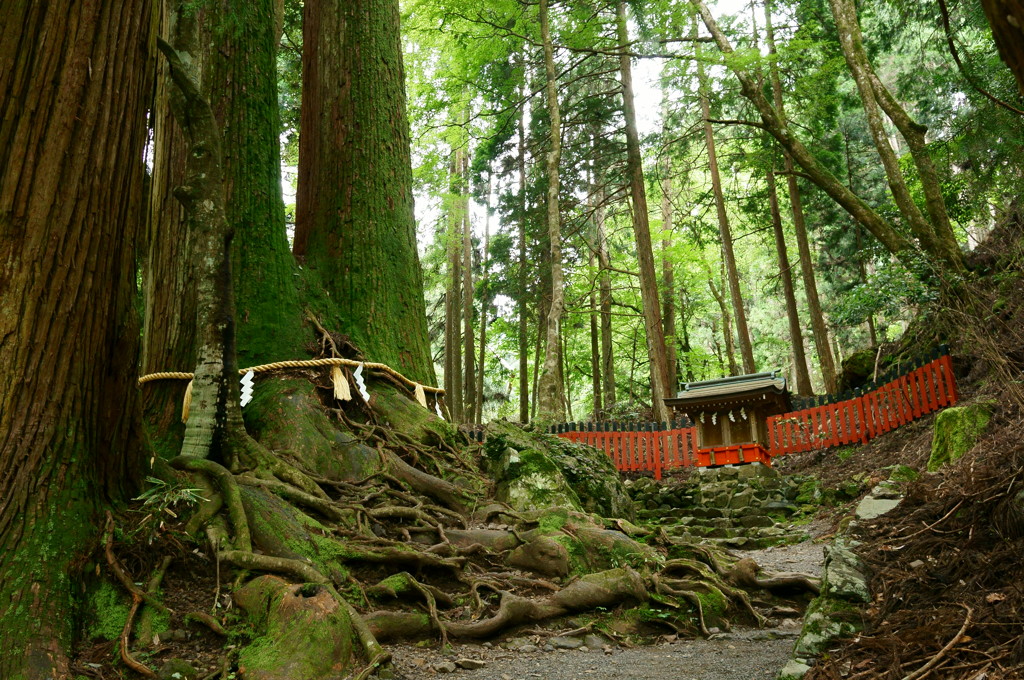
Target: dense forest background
x=612, y=198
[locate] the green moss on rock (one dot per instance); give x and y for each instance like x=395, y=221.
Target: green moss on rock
x=957, y=430
x=537, y=470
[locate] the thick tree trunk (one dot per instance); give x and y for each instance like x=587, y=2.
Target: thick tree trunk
x=77, y=85
x=550, y=398
x=796, y=339
x=728, y=255
x=818, y=328
x=238, y=76
x=354, y=208
x=660, y=381
x=168, y=279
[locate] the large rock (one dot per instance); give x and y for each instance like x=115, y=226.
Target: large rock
x=534, y=471
x=301, y=631
x=957, y=430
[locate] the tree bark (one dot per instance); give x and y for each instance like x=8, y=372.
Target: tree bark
x=728, y=255
x=550, y=397
x=468, y=341
x=354, y=207
x=605, y=295
x=453, y=299
x=660, y=381
x=484, y=284
x=796, y=339
x=524, y=367
x=77, y=86
x=668, y=277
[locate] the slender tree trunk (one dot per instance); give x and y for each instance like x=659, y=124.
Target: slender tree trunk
x=818, y=327
x=354, y=207
x=796, y=339
x=453, y=298
x=484, y=283
x=668, y=277
x=595, y=350
x=469, y=343
x=524, y=369
x=605, y=294
x=723, y=307
x=660, y=380
x=550, y=398
x=728, y=255
x=77, y=85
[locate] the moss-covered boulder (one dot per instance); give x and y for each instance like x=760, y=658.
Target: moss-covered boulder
x=857, y=369
x=534, y=471
x=301, y=631
x=957, y=430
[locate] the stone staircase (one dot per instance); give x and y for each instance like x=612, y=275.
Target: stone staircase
x=744, y=507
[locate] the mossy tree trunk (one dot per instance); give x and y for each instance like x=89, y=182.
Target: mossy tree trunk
x=234, y=59
x=76, y=80
x=354, y=208
x=550, y=395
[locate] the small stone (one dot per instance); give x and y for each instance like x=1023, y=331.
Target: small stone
x=714, y=630
x=563, y=642
x=528, y=648
x=607, y=649
x=584, y=648
x=445, y=667
x=471, y=664
x=916, y=564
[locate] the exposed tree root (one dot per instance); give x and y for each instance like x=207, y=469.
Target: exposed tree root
x=744, y=575
x=300, y=571
x=229, y=492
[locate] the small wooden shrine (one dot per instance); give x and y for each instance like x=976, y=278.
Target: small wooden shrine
x=731, y=416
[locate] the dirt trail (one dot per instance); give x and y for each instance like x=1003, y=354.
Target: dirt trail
x=742, y=654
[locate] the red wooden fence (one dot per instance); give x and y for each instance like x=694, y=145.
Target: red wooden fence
x=655, y=447
x=905, y=398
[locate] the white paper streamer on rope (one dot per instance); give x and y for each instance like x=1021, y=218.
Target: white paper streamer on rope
x=342, y=392
x=732, y=418
x=246, y=388
x=437, y=408
x=421, y=396
x=702, y=416
x=360, y=385
x=743, y=412
x=714, y=418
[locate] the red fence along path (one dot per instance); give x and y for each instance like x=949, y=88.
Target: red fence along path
x=655, y=447
x=897, y=402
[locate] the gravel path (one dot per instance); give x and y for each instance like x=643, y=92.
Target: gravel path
x=738, y=655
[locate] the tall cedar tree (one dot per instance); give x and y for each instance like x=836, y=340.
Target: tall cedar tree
x=76, y=79
x=354, y=207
